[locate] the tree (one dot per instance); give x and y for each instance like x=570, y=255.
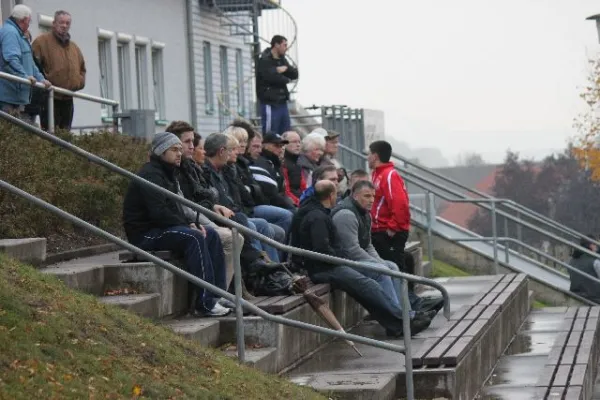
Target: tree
x=586, y=147
x=469, y=159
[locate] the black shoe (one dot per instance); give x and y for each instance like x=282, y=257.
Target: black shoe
x=431, y=304
x=417, y=325
x=261, y=266
x=426, y=314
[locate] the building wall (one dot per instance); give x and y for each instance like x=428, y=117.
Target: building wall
x=207, y=27
x=159, y=21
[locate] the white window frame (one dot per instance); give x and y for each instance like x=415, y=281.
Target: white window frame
x=158, y=80
x=241, y=89
x=224, y=67
x=124, y=69
x=141, y=69
x=209, y=95
x=105, y=70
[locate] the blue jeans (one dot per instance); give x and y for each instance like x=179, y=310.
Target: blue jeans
x=366, y=291
x=415, y=301
x=202, y=256
x=261, y=226
x=275, y=118
x=386, y=283
x=275, y=215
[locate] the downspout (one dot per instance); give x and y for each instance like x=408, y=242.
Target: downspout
x=191, y=64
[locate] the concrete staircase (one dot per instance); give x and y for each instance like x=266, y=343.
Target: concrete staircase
x=493, y=347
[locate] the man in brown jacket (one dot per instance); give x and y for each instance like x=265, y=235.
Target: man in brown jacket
x=63, y=65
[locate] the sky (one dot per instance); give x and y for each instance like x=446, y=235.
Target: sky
x=462, y=75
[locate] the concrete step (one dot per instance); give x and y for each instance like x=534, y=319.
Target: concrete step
x=353, y=386
x=30, y=250
x=263, y=359
x=145, y=305
x=202, y=330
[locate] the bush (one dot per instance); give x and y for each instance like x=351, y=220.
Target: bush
x=70, y=182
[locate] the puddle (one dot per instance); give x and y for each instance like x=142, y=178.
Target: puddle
x=509, y=393
x=531, y=343
x=517, y=370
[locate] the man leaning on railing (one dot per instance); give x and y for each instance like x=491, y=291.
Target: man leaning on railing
x=17, y=59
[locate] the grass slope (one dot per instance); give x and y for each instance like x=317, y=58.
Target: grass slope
x=61, y=344
x=441, y=269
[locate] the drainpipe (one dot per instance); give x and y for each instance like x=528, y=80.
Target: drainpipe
x=191, y=65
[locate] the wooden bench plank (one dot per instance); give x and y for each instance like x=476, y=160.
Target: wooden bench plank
x=571, y=312
x=579, y=324
x=582, y=312
x=555, y=393
x=502, y=299
x=489, y=298
x=568, y=356
x=574, y=338
x=554, y=355
x=490, y=312
x=424, y=349
x=475, y=312
x=443, y=330
x=457, y=351
x=562, y=375
x=266, y=304
x=433, y=358
x=578, y=376
x=591, y=324
x=459, y=328
x=574, y=393
x=460, y=313
x=477, y=328
x=546, y=376
x=594, y=312
x=287, y=304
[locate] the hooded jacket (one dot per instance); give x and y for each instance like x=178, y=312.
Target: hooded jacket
x=312, y=229
x=271, y=86
x=390, y=210
x=145, y=209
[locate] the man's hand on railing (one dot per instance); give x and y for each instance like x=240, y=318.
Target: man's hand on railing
x=45, y=82
x=224, y=211
x=32, y=80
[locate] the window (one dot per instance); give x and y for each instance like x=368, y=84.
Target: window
x=224, y=77
x=104, y=56
x=158, y=79
x=239, y=72
x=209, y=104
x=141, y=72
x=124, y=73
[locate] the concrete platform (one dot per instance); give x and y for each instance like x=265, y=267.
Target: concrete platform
x=264, y=359
x=356, y=386
x=30, y=250
x=204, y=331
x=145, y=305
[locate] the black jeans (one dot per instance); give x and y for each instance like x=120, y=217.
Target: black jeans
x=63, y=114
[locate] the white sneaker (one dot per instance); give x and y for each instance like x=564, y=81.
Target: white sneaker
x=218, y=311
x=226, y=303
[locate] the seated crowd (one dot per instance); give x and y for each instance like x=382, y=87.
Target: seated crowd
x=291, y=190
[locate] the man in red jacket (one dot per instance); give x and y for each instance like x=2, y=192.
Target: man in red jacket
x=390, y=213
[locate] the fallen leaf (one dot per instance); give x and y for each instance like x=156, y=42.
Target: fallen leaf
x=68, y=377
x=137, y=390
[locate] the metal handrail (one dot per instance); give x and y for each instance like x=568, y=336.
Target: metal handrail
x=510, y=204
x=225, y=221
x=55, y=89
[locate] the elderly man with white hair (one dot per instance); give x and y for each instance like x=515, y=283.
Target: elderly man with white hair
x=313, y=147
x=17, y=59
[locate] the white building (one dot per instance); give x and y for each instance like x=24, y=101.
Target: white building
x=174, y=57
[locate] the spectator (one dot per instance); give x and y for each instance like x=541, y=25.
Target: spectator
x=322, y=173
x=355, y=176
x=273, y=75
x=352, y=221
x=63, y=64
x=195, y=188
x=391, y=212
x=292, y=172
x=199, y=153
x=266, y=170
x=313, y=229
x=218, y=149
x=17, y=59
x=257, y=200
x=155, y=222
x=584, y=262
x=313, y=146
x=332, y=141
x=39, y=96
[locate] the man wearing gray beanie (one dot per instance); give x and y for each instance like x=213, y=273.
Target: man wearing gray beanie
x=155, y=222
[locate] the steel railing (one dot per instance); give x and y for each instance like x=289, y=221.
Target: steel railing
x=433, y=188
x=55, y=89
x=406, y=349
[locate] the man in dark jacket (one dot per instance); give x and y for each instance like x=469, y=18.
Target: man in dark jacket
x=266, y=170
x=313, y=229
x=292, y=172
x=155, y=222
x=273, y=75
x=584, y=262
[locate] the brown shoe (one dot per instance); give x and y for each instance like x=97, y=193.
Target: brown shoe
x=246, y=295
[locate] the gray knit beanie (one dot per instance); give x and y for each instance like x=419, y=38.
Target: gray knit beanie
x=163, y=141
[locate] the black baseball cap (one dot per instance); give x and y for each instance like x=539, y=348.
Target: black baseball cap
x=275, y=138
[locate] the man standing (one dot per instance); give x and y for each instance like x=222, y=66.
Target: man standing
x=313, y=229
x=273, y=75
x=390, y=212
x=292, y=172
x=63, y=64
x=156, y=222
x=17, y=59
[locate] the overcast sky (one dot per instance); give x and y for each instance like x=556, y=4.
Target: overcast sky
x=460, y=75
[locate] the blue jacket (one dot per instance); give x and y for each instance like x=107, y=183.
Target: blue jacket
x=16, y=59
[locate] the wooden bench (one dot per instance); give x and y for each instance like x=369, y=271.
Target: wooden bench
x=451, y=342
x=271, y=304
x=571, y=366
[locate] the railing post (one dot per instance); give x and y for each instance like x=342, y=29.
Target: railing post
x=51, y=110
x=495, y=237
x=519, y=231
x=506, y=244
x=115, y=119
x=239, y=311
x=429, y=199
x=410, y=391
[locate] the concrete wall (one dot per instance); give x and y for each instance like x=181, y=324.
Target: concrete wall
x=207, y=27
x=158, y=20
